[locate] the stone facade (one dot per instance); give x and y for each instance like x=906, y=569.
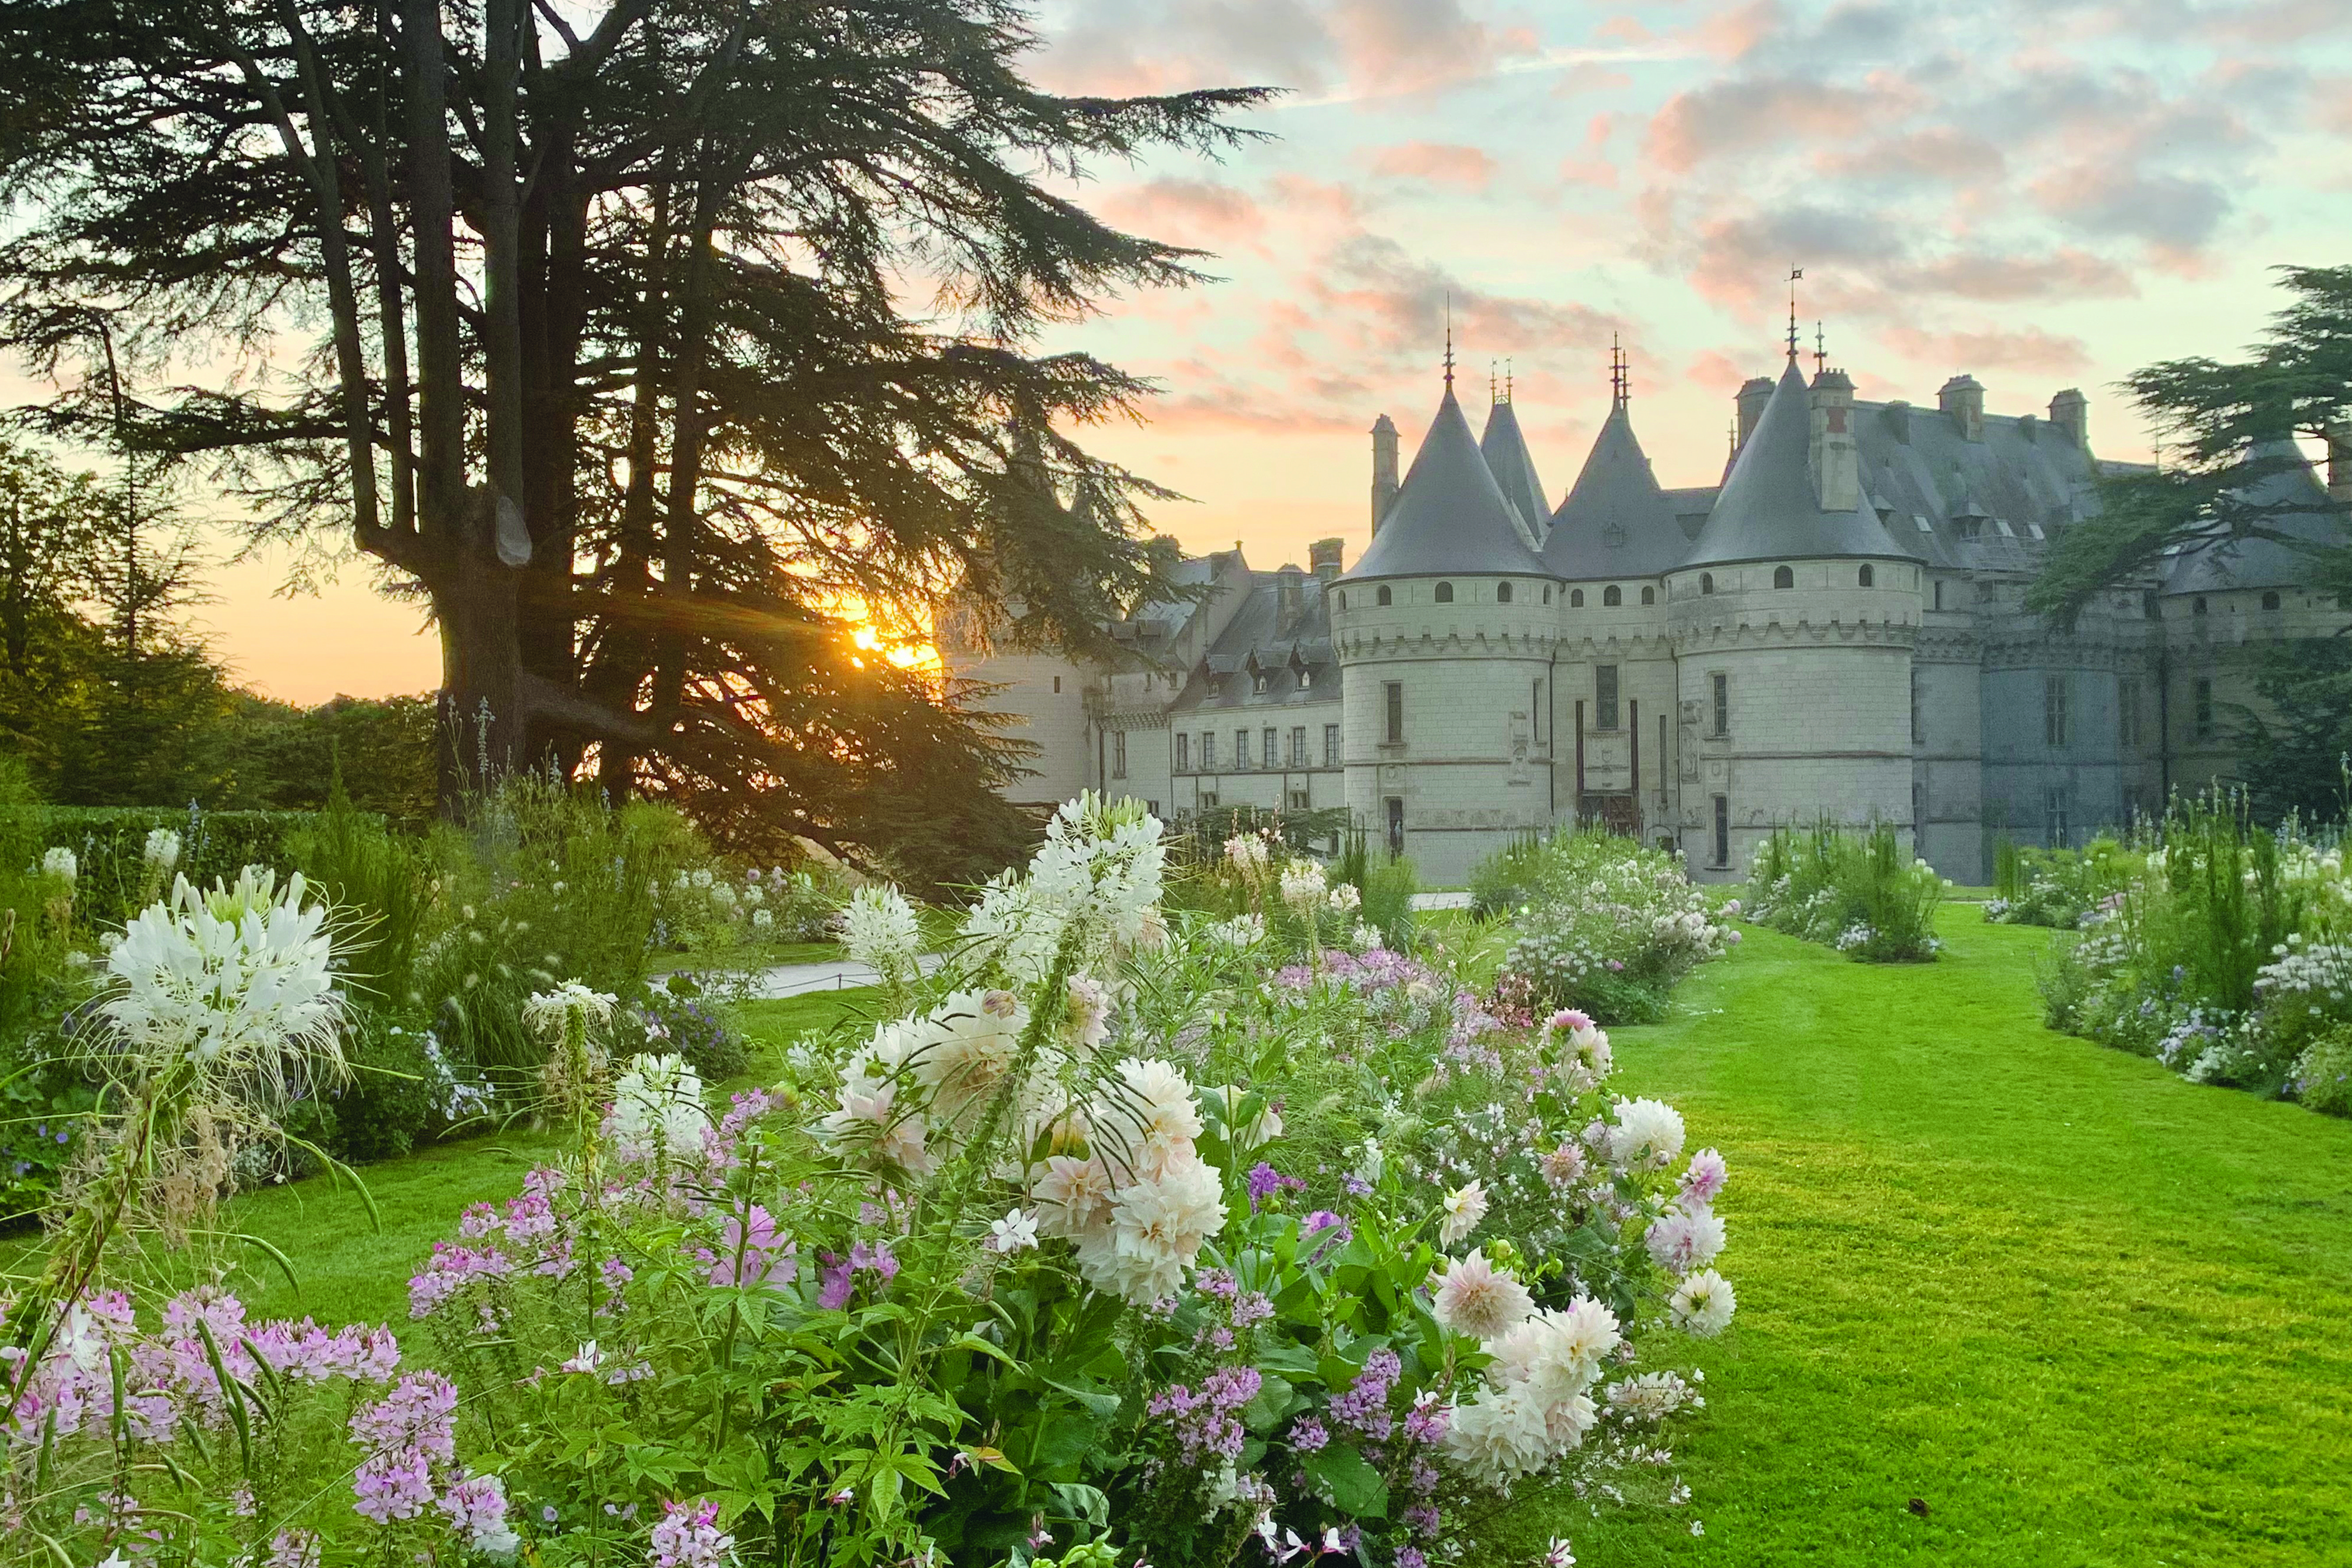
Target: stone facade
x=1836, y=630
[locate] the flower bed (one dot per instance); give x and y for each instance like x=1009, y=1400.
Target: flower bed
x=1603, y=925
x=1109, y=1237
x=2054, y=887
x=2224, y=950
x=1857, y=892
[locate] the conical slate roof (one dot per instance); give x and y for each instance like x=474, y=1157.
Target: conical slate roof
x=1505, y=451
x=1449, y=516
x=1769, y=510
x=1616, y=522
x=2304, y=513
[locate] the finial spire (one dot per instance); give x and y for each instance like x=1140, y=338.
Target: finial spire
x=1821, y=351
x=1507, y=379
x=1492, y=394
x=1621, y=380
x=1449, y=340
x=1794, y=274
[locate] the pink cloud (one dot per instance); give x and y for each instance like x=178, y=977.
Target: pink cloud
x=1717, y=371
x=1745, y=116
x=1589, y=76
x=1187, y=212
x=2030, y=350
x=1438, y=163
x=1938, y=152
x=1734, y=33
x=1414, y=45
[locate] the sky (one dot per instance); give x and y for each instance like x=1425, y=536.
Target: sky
x=2042, y=193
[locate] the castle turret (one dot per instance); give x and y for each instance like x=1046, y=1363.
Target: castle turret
x=1505, y=451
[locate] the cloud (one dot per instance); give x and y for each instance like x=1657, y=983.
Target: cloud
x=1202, y=213
x=2175, y=212
x=2031, y=351
x=1412, y=46
x=1436, y=163
x=1745, y=117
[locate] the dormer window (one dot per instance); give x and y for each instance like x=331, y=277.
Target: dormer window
x=1445, y=593
x=1502, y=593
x=1305, y=679
x=1259, y=680
x=1613, y=594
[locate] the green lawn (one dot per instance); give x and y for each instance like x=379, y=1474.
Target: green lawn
x=2084, y=1312
x=2087, y=1313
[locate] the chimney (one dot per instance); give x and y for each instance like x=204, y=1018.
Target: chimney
x=1384, y=468
x=1753, y=395
x=2030, y=427
x=1323, y=557
x=2339, y=461
x=1898, y=419
x=1835, y=461
x=2070, y=412
x=1962, y=398
x=1290, y=586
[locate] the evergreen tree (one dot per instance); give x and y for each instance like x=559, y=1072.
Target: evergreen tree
x=659, y=339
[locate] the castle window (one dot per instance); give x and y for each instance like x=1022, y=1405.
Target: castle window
x=1722, y=828
x=1298, y=800
x=1184, y=753
x=1343, y=600
x=1918, y=724
x=1613, y=594
x=1721, y=692
x=1384, y=593
x=2053, y=809
x=2204, y=708
x=1445, y=593
x=1546, y=593
x=1258, y=680
x=1393, y=694
x=1707, y=582
x=1057, y=685
x=1649, y=595
x=1330, y=745
x=1863, y=578
x=1298, y=745
x=1119, y=753
x=2128, y=711
x=1267, y=753
x=1207, y=751
x=2271, y=600
x=1939, y=593
x=1502, y=593
x=1784, y=577
x=1241, y=748
x=1576, y=598
x=1208, y=801
x=2053, y=711
x=1305, y=680
x=1604, y=697
x=2199, y=607
x=1394, y=805
x=2148, y=605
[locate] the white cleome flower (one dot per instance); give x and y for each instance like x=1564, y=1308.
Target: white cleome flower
x=1465, y=1207
x=1704, y=1303
x=162, y=850
x=657, y=1110
x=1017, y=1231
x=60, y=862
x=239, y=980
x=879, y=930
x=549, y=1012
x=1302, y=884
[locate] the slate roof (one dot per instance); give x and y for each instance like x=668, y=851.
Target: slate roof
x=1260, y=638
x=1616, y=522
x=1505, y=451
x=1449, y=516
x=1984, y=505
x=2305, y=512
x=1769, y=508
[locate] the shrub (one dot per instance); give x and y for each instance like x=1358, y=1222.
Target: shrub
x=1855, y=891
x=1607, y=927
x=2054, y=887
x=2323, y=1074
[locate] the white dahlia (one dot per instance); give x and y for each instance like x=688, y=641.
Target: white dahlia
x=1476, y=1299
x=1704, y=1303
x=1648, y=1135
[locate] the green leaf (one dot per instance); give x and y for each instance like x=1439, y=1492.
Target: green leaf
x=1296, y=1360
x=1275, y=1399
x=1350, y=1482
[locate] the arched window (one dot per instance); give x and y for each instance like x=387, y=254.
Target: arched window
x=1864, y=576
x=1783, y=577
x=1502, y=593
x=1707, y=582
x=2199, y=607
x=1613, y=594
x=1576, y=598
x=1384, y=593
x=1649, y=595
x=1445, y=593
x=2271, y=600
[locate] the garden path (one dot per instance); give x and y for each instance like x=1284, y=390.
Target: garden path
x=2005, y=1296
x=833, y=975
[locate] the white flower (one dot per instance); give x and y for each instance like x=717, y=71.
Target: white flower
x=970, y=1042
x=1650, y=1397
x=657, y=1110
x=548, y=1012
x=763, y=919
x=162, y=850
x=880, y=928
x=1681, y=1239
x=1090, y=1004
x=1704, y=1303
x=1476, y=1299
x=1648, y=1135
x=703, y=878
x=1016, y=1231
x=1074, y=1198
x=1149, y=1119
x=1246, y=851
x=1302, y=884
x=239, y=980
x=1242, y=930
x=60, y=862
x=1158, y=1224
x=1465, y=1207
x=589, y=1358
x=1366, y=938
x=1370, y=1162
x=1498, y=1438
x=1256, y=1132
x=1345, y=900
